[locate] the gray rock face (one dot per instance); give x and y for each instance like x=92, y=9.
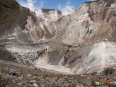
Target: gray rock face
x=82, y=42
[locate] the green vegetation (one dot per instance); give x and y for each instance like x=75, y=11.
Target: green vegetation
x=9, y=4
x=7, y=8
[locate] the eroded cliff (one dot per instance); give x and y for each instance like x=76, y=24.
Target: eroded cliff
x=82, y=42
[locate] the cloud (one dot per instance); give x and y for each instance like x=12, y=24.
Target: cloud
x=67, y=9
x=31, y=5
x=41, y=3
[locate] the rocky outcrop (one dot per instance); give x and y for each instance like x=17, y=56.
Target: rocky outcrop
x=51, y=14
x=76, y=43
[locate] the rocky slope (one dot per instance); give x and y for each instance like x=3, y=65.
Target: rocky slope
x=17, y=75
x=82, y=42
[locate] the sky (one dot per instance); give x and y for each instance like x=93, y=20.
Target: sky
x=66, y=6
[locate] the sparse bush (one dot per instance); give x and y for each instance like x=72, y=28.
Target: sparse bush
x=105, y=81
x=108, y=71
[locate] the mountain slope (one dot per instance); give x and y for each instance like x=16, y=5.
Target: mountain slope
x=82, y=42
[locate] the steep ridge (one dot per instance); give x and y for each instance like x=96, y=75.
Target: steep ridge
x=92, y=22
x=82, y=42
